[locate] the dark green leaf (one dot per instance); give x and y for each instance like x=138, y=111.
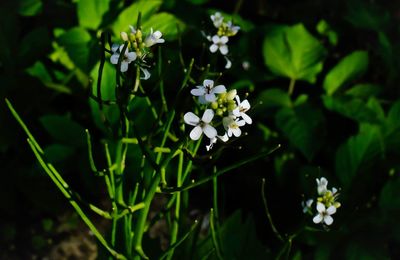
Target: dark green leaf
x=274, y=97
x=293, y=52
x=304, y=126
x=349, y=68
x=390, y=195
x=64, y=130
x=364, y=90
x=30, y=7
x=58, y=152
x=356, y=152
x=353, y=108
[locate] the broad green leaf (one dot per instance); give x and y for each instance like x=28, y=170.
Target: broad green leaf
x=30, y=7
x=364, y=90
x=34, y=45
x=58, y=152
x=367, y=249
x=304, y=126
x=129, y=15
x=197, y=2
x=39, y=71
x=351, y=67
x=356, y=152
x=90, y=12
x=390, y=195
x=166, y=23
x=274, y=97
x=393, y=117
x=77, y=42
x=64, y=130
x=352, y=108
x=293, y=52
x=367, y=16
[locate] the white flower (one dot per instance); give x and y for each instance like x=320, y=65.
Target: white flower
x=217, y=19
x=307, y=205
x=241, y=109
x=324, y=214
x=223, y=138
x=219, y=43
x=206, y=93
x=232, y=29
x=128, y=56
x=153, y=38
x=200, y=126
x=322, y=185
x=232, y=126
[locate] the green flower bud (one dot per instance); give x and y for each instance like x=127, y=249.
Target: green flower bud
x=214, y=105
x=219, y=112
x=124, y=36
x=231, y=94
x=132, y=37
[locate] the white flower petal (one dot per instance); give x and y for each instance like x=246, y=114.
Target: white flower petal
x=331, y=210
x=196, y=133
x=317, y=219
x=133, y=30
x=245, y=104
x=213, y=48
x=224, y=138
x=198, y=91
x=246, y=118
x=208, y=116
x=236, y=112
x=146, y=73
x=223, y=39
x=209, y=131
x=215, y=39
x=208, y=83
x=236, y=131
x=320, y=207
x=328, y=220
x=223, y=49
x=219, y=89
x=131, y=56
x=114, y=58
x=124, y=66
x=202, y=100
x=228, y=64
x=114, y=47
x=191, y=119
x=160, y=41
x=210, y=97
x=241, y=123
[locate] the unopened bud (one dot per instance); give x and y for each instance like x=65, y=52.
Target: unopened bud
x=124, y=36
x=219, y=112
x=231, y=94
x=139, y=35
x=214, y=105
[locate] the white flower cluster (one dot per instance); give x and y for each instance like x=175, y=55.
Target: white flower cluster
x=222, y=107
x=220, y=39
x=326, y=203
x=137, y=49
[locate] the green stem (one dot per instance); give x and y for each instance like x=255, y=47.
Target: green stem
x=61, y=186
x=291, y=86
x=274, y=229
x=214, y=237
x=164, y=101
x=175, y=226
x=215, y=196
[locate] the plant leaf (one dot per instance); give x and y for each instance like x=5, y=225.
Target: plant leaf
x=166, y=23
x=90, y=13
x=349, y=68
x=293, y=52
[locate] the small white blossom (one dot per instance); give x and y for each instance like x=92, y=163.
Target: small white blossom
x=224, y=138
x=201, y=126
x=307, y=205
x=246, y=65
x=241, y=109
x=322, y=186
x=217, y=19
x=232, y=126
x=219, y=43
x=324, y=214
x=206, y=93
x=128, y=56
x=153, y=38
x=232, y=29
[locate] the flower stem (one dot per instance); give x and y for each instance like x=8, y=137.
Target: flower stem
x=291, y=86
x=277, y=234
